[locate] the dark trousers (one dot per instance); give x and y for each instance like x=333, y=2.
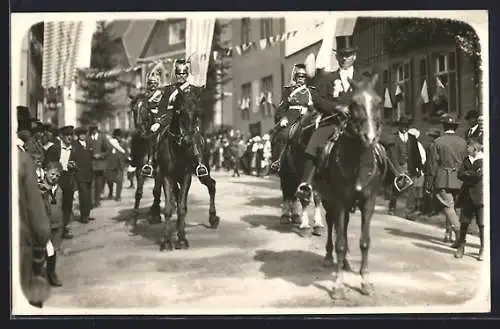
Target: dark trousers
x=67, y=181
x=98, y=182
x=119, y=184
x=84, y=196
x=56, y=238
x=236, y=166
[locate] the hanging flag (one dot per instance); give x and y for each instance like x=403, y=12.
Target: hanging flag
x=324, y=59
x=199, y=35
x=440, y=88
x=424, y=95
x=387, y=99
x=398, y=95
x=310, y=64
x=263, y=44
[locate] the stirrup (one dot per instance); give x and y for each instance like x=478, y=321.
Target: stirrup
x=201, y=170
x=404, y=180
x=304, y=187
x=275, y=166
x=147, y=170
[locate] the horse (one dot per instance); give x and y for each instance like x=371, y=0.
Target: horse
x=353, y=173
x=140, y=146
x=175, y=168
x=294, y=209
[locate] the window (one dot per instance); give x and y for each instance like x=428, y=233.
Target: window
x=266, y=28
x=403, y=100
x=246, y=101
x=176, y=32
x=445, y=99
x=245, y=30
x=266, y=87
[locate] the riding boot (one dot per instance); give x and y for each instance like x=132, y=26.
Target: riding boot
x=480, y=256
x=461, y=241
x=51, y=272
x=276, y=165
x=305, y=187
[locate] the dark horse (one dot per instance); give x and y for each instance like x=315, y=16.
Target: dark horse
x=176, y=165
x=353, y=174
x=292, y=166
x=140, y=146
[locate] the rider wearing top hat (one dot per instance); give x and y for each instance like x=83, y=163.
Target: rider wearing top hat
x=295, y=102
x=181, y=83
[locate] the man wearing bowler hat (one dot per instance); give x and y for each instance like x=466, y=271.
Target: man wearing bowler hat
x=82, y=156
x=99, y=147
x=445, y=158
x=61, y=152
x=474, y=131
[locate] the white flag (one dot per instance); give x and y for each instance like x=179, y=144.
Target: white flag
x=387, y=99
x=324, y=59
x=199, y=34
x=424, y=94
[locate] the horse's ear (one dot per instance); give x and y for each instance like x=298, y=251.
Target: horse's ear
x=354, y=84
x=374, y=80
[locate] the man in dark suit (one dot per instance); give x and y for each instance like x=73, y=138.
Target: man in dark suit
x=99, y=148
x=116, y=162
x=405, y=156
x=34, y=225
x=34, y=144
x=474, y=131
x=445, y=158
x=82, y=156
x=61, y=152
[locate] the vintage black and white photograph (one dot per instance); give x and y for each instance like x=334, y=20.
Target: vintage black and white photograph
x=250, y=162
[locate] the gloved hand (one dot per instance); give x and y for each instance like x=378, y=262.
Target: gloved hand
x=284, y=122
x=303, y=110
x=155, y=127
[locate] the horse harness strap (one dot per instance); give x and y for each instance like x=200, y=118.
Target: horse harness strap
x=174, y=94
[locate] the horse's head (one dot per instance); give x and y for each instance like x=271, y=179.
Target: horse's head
x=365, y=111
x=184, y=118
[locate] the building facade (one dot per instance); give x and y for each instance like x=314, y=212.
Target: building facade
x=258, y=75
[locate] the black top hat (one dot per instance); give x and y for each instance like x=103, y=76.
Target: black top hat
x=81, y=130
x=345, y=45
x=404, y=121
x=66, y=130
x=48, y=127
x=23, y=113
x=472, y=114
x=117, y=133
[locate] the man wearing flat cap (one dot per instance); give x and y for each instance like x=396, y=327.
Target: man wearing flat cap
x=474, y=131
x=61, y=152
x=405, y=155
x=445, y=158
x=82, y=155
x=99, y=147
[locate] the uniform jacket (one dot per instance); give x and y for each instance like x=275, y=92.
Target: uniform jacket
x=414, y=160
x=299, y=98
x=53, y=205
x=83, y=160
x=324, y=94
x=446, y=156
x=98, y=149
x=471, y=174
x=34, y=224
x=166, y=103
x=116, y=159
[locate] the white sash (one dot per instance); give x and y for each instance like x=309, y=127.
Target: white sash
x=113, y=142
x=175, y=92
x=303, y=87
x=156, y=97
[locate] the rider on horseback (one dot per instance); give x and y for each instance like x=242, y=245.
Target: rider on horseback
x=333, y=96
x=295, y=104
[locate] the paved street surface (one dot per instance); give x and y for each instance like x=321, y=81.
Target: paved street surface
x=251, y=261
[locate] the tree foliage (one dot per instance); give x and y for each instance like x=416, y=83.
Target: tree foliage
x=97, y=92
x=210, y=94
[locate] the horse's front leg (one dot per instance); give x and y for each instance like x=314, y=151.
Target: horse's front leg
x=138, y=196
x=155, y=209
x=328, y=261
x=367, y=209
x=182, y=242
x=339, y=217
x=170, y=191
x=210, y=183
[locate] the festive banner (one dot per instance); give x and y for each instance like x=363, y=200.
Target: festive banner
x=199, y=35
x=324, y=60
x=387, y=99
x=424, y=95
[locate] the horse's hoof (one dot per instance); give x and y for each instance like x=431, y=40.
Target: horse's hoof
x=181, y=244
x=338, y=293
x=317, y=230
x=367, y=289
x=214, y=221
x=296, y=219
x=328, y=262
x=347, y=267
x=285, y=219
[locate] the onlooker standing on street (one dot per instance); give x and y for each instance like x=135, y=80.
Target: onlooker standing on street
x=474, y=131
x=446, y=157
x=417, y=193
x=82, y=156
x=471, y=195
x=99, y=148
x=34, y=226
x=61, y=152
x=429, y=202
x=405, y=155
x=116, y=163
